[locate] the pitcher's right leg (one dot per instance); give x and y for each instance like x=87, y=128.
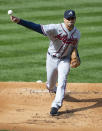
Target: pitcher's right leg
x=63, y=70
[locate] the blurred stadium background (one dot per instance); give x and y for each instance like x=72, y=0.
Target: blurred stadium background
x=23, y=52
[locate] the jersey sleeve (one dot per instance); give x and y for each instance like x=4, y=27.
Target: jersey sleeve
x=31, y=25
x=49, y=30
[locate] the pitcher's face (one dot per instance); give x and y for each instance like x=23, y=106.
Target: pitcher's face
x=69, y=23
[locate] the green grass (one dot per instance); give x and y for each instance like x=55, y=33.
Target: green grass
x=23, y=52
x=4, y=130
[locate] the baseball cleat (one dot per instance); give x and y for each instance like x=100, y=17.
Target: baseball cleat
x=54, y=111
x=52, y=90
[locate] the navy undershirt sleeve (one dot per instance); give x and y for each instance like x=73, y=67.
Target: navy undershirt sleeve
x=31, y=25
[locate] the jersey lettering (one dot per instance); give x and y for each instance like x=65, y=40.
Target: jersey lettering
x=65, y=39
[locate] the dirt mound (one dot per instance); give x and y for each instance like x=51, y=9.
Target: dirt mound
x=26, y=106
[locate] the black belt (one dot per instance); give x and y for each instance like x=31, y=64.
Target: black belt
x=56, y=56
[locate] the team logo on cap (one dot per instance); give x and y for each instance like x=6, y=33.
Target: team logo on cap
x=70, y=13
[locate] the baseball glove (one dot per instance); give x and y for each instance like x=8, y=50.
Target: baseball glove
x=75, y=60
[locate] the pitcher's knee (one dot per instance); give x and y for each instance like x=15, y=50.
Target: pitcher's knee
x=62, y=85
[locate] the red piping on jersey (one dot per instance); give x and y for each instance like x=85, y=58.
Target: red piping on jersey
x=72, y=34
x=64, y=50
x=68, y=45
x=65, y=40
x=59, y=49
x=64, y=29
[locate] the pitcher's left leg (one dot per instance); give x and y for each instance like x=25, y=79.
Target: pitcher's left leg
x=63, y=70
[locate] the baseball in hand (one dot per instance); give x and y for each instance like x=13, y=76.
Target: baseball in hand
x=10, y=12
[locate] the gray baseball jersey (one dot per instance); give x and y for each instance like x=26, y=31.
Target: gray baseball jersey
x=62, y=41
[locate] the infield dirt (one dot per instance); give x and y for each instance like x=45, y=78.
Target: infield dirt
x=25, y=106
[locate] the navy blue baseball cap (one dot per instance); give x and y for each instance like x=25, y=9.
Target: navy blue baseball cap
x=69, y=14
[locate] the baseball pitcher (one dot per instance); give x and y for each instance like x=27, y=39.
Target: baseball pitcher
x=62, y=53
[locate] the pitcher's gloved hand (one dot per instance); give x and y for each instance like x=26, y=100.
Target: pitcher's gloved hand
x=75, y=60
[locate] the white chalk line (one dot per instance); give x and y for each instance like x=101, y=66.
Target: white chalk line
x=69, y=92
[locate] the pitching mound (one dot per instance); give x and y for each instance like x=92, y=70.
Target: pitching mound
x=26, y=106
